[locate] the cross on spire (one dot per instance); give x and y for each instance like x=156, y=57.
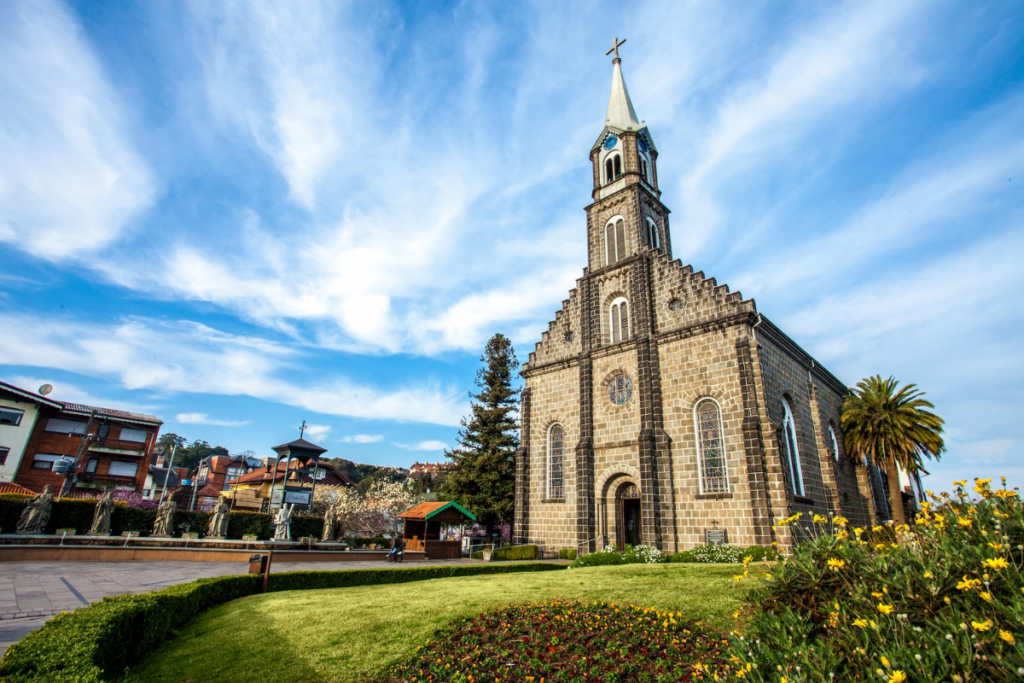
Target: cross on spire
x=615, y=47
x=302, y=429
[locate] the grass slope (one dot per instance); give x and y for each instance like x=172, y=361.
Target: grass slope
x=351, y=634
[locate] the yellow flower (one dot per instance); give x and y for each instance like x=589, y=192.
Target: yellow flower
x=968, y=584
x=819, y=519
x=836, y=564
x=929, y=575
x=858, y=530
x=982, y=625
x=885, y=662
x=985, y=595
x=876, y=528
x=996, y=546
x=860, y=623
x=962, y=482
x=995, y=563
x=885, y=609
x=897, y=677
x=1007, y=636
x=876, y=594
x=841, y=521
x=963, y=522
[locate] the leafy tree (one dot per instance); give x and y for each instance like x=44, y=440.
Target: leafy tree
x=166, y=443
x=481, y=472
x=891, y=426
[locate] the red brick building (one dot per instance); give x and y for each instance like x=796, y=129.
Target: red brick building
x=117, y=450
x=420, y=469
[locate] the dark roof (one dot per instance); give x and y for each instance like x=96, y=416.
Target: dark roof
x=300, y=445
x=159, y=475
x=111, y=412
x=29, y=396
x=428, y=510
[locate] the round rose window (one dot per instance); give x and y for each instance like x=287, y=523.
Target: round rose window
x=620, y=389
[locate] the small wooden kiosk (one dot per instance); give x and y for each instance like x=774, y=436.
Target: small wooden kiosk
x=422, y=529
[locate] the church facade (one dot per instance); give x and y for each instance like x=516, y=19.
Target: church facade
x=661, y=408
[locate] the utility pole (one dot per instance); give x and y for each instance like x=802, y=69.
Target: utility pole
x=65, y=488
x=170, y=471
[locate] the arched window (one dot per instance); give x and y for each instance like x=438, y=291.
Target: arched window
x=618, y=165
x=609, y=170
x=792, y=455
x=615, y=240
x=714, y=478
x=643, y=169
x=652, y=234
x=835, y=443
x=618, y=319
x=556, y=460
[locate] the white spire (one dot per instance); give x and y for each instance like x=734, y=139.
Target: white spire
x=621, y=114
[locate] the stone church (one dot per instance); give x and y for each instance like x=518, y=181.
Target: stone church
x=661, y=408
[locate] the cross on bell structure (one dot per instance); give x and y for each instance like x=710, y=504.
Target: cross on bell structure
x=615, y=48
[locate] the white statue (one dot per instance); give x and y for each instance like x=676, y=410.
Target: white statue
x=283, y=520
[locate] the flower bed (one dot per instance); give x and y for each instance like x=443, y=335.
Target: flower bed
x=729, y=554
x=566, y=641
x=941, y=599
x=640, y=554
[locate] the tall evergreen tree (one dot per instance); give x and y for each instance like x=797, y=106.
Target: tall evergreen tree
x=480, y=475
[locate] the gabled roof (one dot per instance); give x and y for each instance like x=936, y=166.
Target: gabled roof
x=79, y=408
x=428, y=510
x=11, y=487
x=160, y=476
x=28, y=396
x=299, y=445
x=209, y=491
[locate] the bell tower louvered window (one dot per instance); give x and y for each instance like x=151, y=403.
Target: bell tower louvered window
x=653, y=240
x=618, y=318
x=615, y=240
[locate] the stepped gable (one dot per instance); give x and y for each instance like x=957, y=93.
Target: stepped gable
x=562, y=340
x=684, y=297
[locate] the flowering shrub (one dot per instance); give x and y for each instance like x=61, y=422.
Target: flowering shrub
x=726, y=554
x=566, y=641
x=640, y=554
x=939, y=600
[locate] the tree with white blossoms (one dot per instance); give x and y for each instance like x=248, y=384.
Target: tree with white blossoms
x=349, y=506
x=383, y=501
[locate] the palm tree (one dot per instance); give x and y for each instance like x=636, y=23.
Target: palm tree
x=891, y=427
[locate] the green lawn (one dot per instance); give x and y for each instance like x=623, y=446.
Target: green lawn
x=352, y=634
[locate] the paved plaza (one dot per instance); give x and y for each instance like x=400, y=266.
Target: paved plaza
x=32, y=592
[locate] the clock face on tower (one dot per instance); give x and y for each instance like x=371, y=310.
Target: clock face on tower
x=610, y=141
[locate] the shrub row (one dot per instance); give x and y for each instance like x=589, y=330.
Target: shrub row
x=72, y=513
x=101, y=641
x=726, y=554
x=567, y=554
x=516, y=552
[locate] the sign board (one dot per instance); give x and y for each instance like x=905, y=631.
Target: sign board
x=297, y=497
x=715, y=537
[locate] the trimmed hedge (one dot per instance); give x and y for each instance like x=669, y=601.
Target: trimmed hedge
x=74, y=513
x=101, y=641
x=517, y=552
x=367, y=541
x=567, y=554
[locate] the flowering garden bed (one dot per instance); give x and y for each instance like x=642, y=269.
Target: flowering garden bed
x=566, y=641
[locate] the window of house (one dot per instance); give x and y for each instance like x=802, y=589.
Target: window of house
x=136, y=435
x=11, y=416
x=615, y=240
x=652, y=234
x=120, y=468
x=55, y=424
x=618, y=318
x=835, y=443
x=91, y=465
x=44, y=461
x=792, y=455
x=103, y=432
x=556, y=461
x=3, y=455
x=234, y=473
x=710, y=447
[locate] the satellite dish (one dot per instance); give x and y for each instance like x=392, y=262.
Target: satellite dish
x=45, y=389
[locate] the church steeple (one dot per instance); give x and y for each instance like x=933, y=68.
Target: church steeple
x=621, y=114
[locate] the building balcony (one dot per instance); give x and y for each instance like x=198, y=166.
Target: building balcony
x=131, y=449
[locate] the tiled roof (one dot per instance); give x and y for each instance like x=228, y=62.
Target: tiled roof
x=111, y=412
x=11, y=487
x=209, y=491
x=28, y=395
x=427, y=510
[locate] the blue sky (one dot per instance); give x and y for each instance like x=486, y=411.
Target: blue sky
x=242, y=215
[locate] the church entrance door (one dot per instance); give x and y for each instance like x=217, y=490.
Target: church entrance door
x=629, y=515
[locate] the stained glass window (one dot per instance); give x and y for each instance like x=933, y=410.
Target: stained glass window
x=556, y=437
x=713, y=475
x=620, y=389
x=675, y=305
x=792, y=454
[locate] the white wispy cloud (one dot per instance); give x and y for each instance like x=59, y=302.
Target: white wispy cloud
x=204, y=419
x=423, y=446
x=318, y=432
x=195, y=358
x=361, y=438
x=71, y=181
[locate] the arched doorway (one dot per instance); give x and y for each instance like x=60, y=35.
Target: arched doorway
x=627, y=499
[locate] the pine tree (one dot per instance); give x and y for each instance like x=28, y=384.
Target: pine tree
x=480, y=474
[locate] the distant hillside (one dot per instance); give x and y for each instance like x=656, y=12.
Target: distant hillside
x=357, y=472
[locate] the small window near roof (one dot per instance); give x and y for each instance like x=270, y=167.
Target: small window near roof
x=136, y=435
x=55, y=424
x=11, y=416
x=3, y=455
x=44, y=461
